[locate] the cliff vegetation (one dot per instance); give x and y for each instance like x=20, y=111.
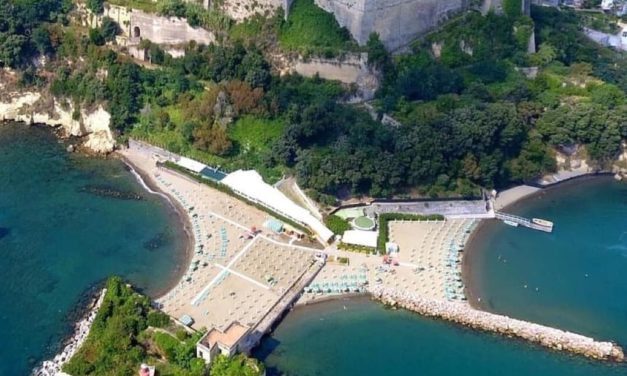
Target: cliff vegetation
x=474, y=109
x=128, y=332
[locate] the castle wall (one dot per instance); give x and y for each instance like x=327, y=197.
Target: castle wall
x=137, y=25
x=162, y=30
x=397, y=21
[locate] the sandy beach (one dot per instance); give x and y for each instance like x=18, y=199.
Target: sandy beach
x=238, y=270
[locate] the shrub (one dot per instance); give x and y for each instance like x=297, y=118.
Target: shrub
x=337, y=224
x=158, y=319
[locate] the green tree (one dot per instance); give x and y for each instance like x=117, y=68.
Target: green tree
x=109, y=29
x=512, y=8
x=337, y=224
x=96, y=6
x=239, y=365
x=378, y=56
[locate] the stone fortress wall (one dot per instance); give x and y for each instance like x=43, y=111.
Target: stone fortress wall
x=398, y=22
x=137, y=25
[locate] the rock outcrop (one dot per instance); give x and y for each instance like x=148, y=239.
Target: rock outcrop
x=33, y=107
x=349, y=69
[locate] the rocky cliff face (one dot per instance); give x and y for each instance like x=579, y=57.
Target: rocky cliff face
x=32, y=107
x=398, y=22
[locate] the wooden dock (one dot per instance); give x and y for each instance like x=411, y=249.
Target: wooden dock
x=522, y=221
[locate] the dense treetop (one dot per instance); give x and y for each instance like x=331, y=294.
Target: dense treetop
x=470, y=117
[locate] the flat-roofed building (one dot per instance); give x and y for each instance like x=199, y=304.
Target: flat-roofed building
x=227, y=342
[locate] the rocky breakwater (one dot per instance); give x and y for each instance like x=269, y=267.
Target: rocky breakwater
x=463, y=314
x=53, y=367
x=34, y=107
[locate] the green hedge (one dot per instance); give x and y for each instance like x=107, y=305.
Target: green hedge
x=225, y=189
x=384, y=235
x=355, y=248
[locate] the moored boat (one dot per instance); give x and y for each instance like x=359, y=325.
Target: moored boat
x=511, y=223
x=542, y=222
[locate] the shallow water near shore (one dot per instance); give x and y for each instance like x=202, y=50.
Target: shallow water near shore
x=580, y=271
x=68, y=222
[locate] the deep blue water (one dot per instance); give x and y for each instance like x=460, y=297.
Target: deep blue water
x=580, y=270
x=61, y=231
x=362, y=338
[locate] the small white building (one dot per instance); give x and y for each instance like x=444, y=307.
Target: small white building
x=228, y=342
x=361, y=238
x=190, y=164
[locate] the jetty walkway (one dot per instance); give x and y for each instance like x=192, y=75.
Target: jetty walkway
x=522, y=221
x=287, y=301
x=464, y=314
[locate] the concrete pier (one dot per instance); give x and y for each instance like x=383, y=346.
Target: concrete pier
x=522, y=221
x=463, y=314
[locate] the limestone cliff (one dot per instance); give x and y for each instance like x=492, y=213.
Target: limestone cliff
x=33, y=107
x=398, y=22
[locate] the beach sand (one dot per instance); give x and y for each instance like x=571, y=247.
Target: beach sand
x=233, y=274
x=513, y=195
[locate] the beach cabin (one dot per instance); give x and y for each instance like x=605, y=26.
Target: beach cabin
x=361, y=238
x=228, y=342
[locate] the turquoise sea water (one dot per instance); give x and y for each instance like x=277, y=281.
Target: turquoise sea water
x=362, y=338
x=580, y=270
x=61, y=231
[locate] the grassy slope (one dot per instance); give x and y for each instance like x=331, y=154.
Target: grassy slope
x=309, y=28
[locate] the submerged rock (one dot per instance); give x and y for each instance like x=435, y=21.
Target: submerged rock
x=105, y=191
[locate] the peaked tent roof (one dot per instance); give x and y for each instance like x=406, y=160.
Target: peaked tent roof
x=251, y=184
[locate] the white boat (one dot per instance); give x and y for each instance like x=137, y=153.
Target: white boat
x=542, y=222
x=511, y=223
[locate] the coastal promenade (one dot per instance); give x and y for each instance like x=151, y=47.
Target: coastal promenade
x=463, y=314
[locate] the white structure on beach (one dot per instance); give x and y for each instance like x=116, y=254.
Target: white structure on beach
x=250, y=185
x=190, y=164
x=361, y=238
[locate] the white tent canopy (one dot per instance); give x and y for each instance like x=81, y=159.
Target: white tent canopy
x=251, y=185
x=190, y=164
x=359, y=237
